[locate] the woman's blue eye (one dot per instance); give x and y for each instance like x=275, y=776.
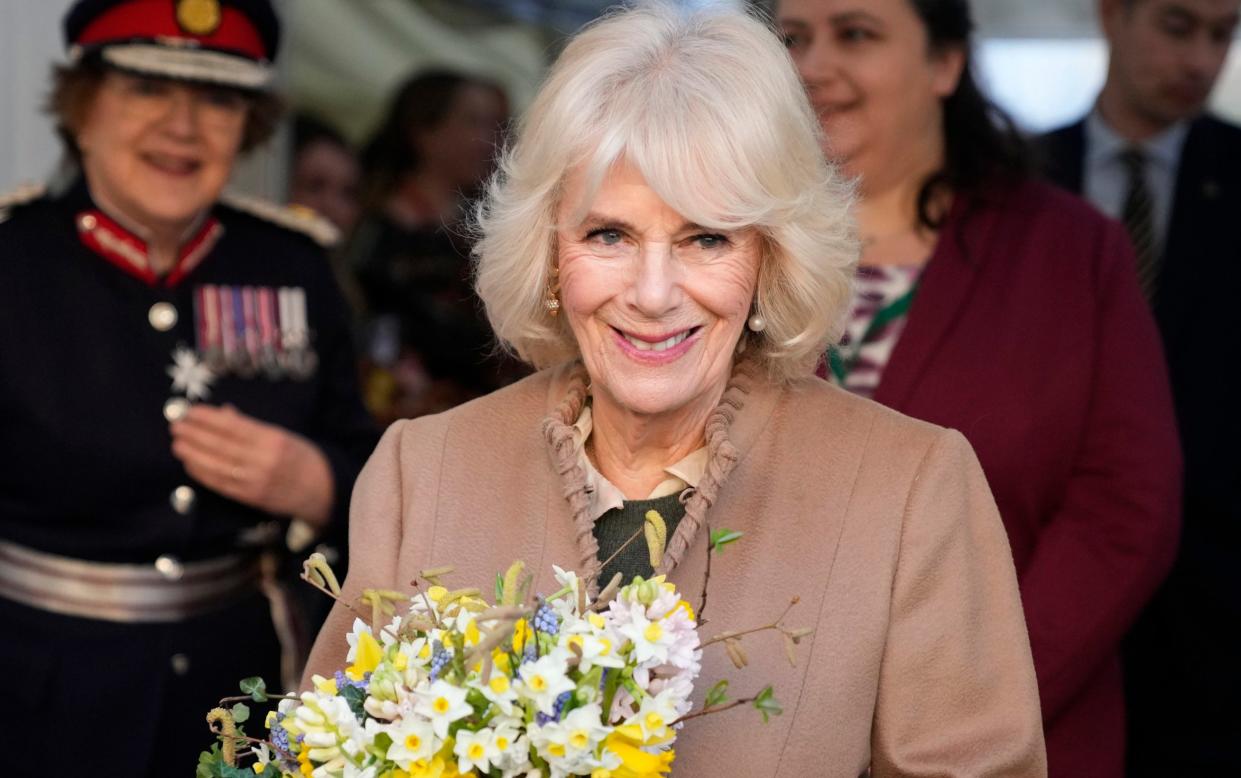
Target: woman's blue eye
x=606, y=237
x=713, y=241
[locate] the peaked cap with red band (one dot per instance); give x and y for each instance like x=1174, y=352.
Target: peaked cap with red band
x=227, y=42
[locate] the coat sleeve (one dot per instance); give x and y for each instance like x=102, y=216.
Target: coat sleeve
x=1113, y=536
x=376, y=529
x=957, y=693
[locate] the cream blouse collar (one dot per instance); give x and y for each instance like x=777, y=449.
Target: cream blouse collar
x=604, y=495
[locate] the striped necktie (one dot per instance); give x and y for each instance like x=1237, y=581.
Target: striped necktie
x=1139, y=220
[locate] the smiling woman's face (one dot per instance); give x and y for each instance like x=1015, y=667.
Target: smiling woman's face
x=157, y=151
x=656, y=303
x=871, y=78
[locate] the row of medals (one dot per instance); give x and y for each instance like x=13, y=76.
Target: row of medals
x=268, y=326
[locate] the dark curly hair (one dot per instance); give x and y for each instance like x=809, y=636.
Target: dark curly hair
x=423, y=102
x=982, y=147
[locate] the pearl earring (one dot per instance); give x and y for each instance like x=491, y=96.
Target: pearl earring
x=757, y=323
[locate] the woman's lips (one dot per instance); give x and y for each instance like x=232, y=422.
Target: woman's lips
x=664, y=347
x=172, y=165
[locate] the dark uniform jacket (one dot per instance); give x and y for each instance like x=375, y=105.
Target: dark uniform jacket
x=88, y=344
x=1183, y=680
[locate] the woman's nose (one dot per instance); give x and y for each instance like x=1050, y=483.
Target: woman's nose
x=182, y=116
x=656, y=288
x=818, y=63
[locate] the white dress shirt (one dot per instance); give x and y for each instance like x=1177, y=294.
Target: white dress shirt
x=1106, y=181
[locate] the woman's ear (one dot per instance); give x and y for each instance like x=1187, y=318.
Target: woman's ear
x=947, y=65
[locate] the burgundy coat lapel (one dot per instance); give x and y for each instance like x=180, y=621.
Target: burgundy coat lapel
x=947, y=282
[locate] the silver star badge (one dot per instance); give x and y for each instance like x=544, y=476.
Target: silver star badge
x=190, y=374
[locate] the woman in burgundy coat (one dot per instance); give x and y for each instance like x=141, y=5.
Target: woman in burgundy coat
x=1004, y=308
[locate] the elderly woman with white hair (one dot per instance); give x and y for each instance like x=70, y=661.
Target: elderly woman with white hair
x=666, y=242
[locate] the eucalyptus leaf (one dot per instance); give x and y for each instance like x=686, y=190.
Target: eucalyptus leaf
x=718, y=694
x=256, y=687
x=722, y=537
x=767, y=704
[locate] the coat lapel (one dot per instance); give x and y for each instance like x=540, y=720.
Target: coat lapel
x=947, y=282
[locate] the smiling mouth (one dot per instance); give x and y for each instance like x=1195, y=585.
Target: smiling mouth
x=172, y=165
x=657, y=345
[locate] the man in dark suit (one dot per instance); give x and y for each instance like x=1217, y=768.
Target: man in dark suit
x=1149, y=155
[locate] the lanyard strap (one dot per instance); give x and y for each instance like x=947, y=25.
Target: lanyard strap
x=841, y=362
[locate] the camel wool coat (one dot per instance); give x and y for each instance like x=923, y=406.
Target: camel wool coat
x=883, y=526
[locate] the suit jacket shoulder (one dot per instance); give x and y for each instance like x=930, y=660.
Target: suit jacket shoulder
x=1061, y=153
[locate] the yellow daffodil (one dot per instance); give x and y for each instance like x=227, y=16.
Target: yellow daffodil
x=369, y=655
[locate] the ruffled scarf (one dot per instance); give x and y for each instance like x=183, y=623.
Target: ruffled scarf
x=722, y=457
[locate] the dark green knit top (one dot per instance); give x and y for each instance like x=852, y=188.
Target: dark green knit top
x=619, y=524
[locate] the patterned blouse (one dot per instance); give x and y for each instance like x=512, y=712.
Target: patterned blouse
x=880, y=301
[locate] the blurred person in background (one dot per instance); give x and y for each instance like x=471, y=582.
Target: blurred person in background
x=324, y=174
x=1004, y=308
x=177, y=397
x=1149, y=155
x=429, y=343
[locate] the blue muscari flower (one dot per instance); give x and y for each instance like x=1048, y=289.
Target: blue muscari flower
x=530, y=653
x=280, y=738
x=561, y=701
x=546, y=620
x=440, y=658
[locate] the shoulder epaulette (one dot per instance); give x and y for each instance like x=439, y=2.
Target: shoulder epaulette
x=24, y=193
x=292, y=217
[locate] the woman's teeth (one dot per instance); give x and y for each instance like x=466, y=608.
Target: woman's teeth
x=663, y=345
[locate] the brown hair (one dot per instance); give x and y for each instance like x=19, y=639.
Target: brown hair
x=74, y=87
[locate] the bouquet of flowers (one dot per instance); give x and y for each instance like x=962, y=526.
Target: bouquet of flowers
x=451, y=685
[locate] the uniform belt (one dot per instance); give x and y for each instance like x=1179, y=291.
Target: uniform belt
x=164, y=591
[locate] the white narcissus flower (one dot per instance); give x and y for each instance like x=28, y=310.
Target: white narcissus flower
x=442, y=704
x=412, y=739
x=649, y=638
x=512, y=749
x=566, y=606
x=568, y=746
x=474, y=750
x=655, y=714
x=543, y=680
x=499, y=691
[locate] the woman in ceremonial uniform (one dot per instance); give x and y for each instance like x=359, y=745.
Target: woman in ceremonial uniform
x=177, y=396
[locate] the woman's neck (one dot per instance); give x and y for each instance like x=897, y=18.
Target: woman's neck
x=889, y=223
x=631, y=450
x=891, y=227
x=163, y=242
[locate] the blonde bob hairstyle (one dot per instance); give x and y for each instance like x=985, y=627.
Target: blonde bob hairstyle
x=707, y=106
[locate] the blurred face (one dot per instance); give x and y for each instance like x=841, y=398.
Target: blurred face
x=463, y=146
x=325, y=178
x=159, y=152
x=870, y=76
x=1166, y=54
x=655, y=302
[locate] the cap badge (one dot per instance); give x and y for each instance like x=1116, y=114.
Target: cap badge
x=198, y=17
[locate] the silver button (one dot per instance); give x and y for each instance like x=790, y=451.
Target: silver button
x=183, y=499
x=180, y=664
x=175, y=408
x=163, y=316
x=87, y=222
x=170, y=567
